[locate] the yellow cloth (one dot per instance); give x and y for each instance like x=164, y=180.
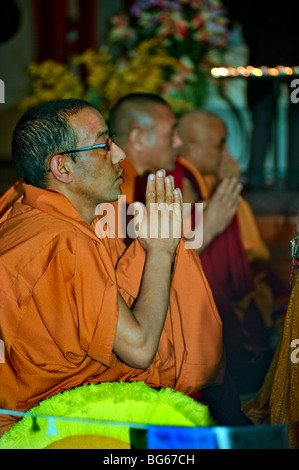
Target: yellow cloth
x=10, y=197
x=278, y=400
x=89, y=442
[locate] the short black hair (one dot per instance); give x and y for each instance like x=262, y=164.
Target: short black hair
x=41, y=132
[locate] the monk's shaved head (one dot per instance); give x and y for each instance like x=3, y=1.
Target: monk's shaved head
x=145, y=127
x=134, y=110
x=203, y=135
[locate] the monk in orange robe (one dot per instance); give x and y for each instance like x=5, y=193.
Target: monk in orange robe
x=205, y=149
x=77, y=307
x=145, y=126
x=232, y=277
x=204, y=146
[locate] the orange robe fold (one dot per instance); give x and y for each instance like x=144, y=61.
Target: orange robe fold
x=59, y=308
x=10, y=197
x=223, y=399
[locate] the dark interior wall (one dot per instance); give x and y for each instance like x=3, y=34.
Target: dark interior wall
x=37, y=30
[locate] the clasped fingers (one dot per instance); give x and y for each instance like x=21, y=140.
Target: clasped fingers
x=229, y=191
x=162, y=224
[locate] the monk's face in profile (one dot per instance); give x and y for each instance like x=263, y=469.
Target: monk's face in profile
x=96, y=173
x=204, y=143
x=163, y=140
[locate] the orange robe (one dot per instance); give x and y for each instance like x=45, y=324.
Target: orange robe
x=222, y=400
x=10, y=197
x=59, y=308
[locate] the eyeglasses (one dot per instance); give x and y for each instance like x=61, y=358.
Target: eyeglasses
x=106, y=145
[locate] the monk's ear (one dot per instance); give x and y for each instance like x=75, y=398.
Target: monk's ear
x=137, y=138
x=60, y=167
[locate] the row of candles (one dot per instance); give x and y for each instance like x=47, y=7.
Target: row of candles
x=249, y=71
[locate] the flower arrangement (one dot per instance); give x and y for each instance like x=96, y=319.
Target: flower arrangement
x=184, y=27
x=192, y=31
x=51, y=80
x=99, y=78
x=160, y=46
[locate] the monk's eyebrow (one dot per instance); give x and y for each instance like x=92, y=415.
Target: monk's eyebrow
x=103, y=132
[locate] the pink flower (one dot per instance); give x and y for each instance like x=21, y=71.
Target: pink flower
x=181, y=29
x=165, y=86
x=119, y=21
x=202, y=36
x=197, y=21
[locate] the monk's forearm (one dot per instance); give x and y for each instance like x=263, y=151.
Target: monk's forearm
x=152, y=304
x=139, y=330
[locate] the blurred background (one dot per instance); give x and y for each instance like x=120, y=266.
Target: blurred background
x=238, y=59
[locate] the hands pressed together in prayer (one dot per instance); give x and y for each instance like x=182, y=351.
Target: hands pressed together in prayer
x=139, y=330
x=220, y=209
x=161, y=226
x=229, y=167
